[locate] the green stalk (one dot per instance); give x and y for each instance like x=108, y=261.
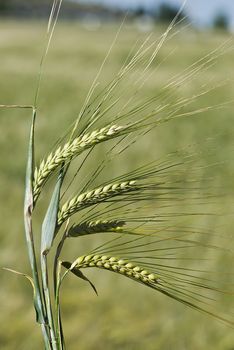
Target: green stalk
x=45, y=283
x=28, y=208
x=59, y=326
x=57, y=283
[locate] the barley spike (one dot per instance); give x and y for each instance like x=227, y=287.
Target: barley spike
x=114, y=264
x=92, y=227
x=69, y=151
x=95, y=196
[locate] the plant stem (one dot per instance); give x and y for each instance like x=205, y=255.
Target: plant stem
x=28, y=208
x=57, y=283
x=45, y=283
x=59, y=326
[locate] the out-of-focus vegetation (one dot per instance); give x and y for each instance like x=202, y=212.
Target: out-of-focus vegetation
x=221, y=21
x=162, y=12
x=41, y=8
x=166, y=13
x=125, y=315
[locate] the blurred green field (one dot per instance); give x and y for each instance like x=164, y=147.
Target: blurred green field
x=125, y=315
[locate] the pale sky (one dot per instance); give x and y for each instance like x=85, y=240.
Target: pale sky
x=202, y=11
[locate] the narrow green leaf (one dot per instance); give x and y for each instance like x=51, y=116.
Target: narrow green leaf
x=28, y=201
x=20, y=274
x=28, y=208
x=50, y=221
x=29, y=278
x=79, y=274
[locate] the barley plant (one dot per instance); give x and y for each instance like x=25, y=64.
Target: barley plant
x=137, y=223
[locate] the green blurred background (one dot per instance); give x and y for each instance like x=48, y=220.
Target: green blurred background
x=125, y=315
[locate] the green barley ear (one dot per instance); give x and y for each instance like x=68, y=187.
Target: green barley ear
x=70, y=150
x=163, y=283
x=98, y=195
x=117, y=265
x=99, y=226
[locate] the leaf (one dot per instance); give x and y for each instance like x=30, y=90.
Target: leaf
x=28, y=200
x=79, y=274
x=32, y=284
x=28, y=208
x=50, y=221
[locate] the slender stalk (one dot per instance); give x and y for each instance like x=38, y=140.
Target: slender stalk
x=45, y=283
x=38, y=296
x=57, y=283
x=59, y=326
x=28, y=208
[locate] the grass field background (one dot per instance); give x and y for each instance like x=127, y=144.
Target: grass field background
x=125, y=315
